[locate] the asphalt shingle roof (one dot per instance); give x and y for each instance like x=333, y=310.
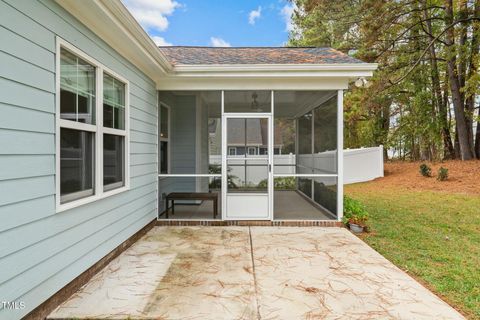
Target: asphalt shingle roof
x=255, y=55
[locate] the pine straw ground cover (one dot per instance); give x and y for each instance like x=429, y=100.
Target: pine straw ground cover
x=429, y=228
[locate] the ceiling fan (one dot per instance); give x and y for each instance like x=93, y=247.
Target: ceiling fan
x=255, y=105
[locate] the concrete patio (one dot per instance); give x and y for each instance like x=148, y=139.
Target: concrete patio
x=252, y=273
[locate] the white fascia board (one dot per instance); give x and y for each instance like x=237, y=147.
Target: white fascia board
x=276, y=70
x=252, y=83
x=112, y=22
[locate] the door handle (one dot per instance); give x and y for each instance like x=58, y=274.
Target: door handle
x=269, y=168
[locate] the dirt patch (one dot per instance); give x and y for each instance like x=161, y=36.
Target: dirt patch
x=463, y=177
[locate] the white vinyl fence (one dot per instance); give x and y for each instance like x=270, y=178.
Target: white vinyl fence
x=360, y=165
x=363, y=164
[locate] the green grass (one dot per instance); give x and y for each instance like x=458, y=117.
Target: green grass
x=433, y=236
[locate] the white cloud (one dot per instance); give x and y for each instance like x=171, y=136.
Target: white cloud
x=254, y=15
x=160, y=41
x=152, y=14
x=219, y=42
x=287, y=12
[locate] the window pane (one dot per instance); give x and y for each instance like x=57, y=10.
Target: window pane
x=77, y=89
x=247, y=175
x=245, y=135
x=163, y=157
x=76, y=164
x=248, y=101
x=113, y=102
x=113, y=161
x=163, y=122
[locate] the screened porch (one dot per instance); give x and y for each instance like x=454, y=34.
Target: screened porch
x=265, y=155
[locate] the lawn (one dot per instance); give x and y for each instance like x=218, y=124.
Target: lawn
x=432, y=235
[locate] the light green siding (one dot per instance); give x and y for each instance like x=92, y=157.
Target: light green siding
x=40, y=250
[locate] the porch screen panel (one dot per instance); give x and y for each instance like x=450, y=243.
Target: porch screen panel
x=305, y=184
x=325, y=137
x=190, y=146
x=190, y=209
x=305, y=157
x=211, y=122
x=248, y=101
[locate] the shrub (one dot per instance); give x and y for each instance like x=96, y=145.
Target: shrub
x=442, y=174
x=354, y=212
x=284, y=183
x=425, y=170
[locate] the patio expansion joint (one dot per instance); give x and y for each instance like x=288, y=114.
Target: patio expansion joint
x=254, y=273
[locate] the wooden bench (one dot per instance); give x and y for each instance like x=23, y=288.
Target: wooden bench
x=192, y=196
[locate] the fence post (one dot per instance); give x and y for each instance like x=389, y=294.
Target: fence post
x=380, y=165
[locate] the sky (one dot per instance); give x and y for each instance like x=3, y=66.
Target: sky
x=214, y=23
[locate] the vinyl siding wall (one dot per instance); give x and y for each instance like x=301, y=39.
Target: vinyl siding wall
x=41, y=250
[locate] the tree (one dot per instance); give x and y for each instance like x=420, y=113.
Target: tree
x=425, y=89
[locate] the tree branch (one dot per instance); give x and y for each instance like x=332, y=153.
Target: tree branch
x=393, y=83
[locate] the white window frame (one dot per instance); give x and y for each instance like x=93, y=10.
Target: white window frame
x=254, y=151
x=162, y=139
x=234, y=151
x=97, y=129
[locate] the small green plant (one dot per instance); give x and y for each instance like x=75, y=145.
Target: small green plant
x=216, y=183
x=354, y=212
x=425, y=170
x=284, y=183
x=442, y=174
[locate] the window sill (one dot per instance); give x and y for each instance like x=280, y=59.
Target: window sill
x=81, y=202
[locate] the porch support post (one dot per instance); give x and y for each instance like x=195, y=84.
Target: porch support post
x=340, y=155
x=224, y=159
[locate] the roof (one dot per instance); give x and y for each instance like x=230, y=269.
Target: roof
x=184, y=55
x=237, y=131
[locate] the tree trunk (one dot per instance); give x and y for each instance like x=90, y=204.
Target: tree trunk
x=445, y=120
x=477, y=140
x=439, y=101
x=458, y=103
x=456, y=145
x=473, y=69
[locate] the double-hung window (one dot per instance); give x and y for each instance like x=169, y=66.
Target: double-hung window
x=77, y=127
x=113, y=133
x=92, y=126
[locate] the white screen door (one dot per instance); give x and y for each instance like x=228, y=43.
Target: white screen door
x=247, y=158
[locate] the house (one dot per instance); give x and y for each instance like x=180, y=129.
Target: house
x=98, y=125
x=257, y=138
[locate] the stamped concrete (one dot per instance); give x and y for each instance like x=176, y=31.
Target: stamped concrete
x=252, y=273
